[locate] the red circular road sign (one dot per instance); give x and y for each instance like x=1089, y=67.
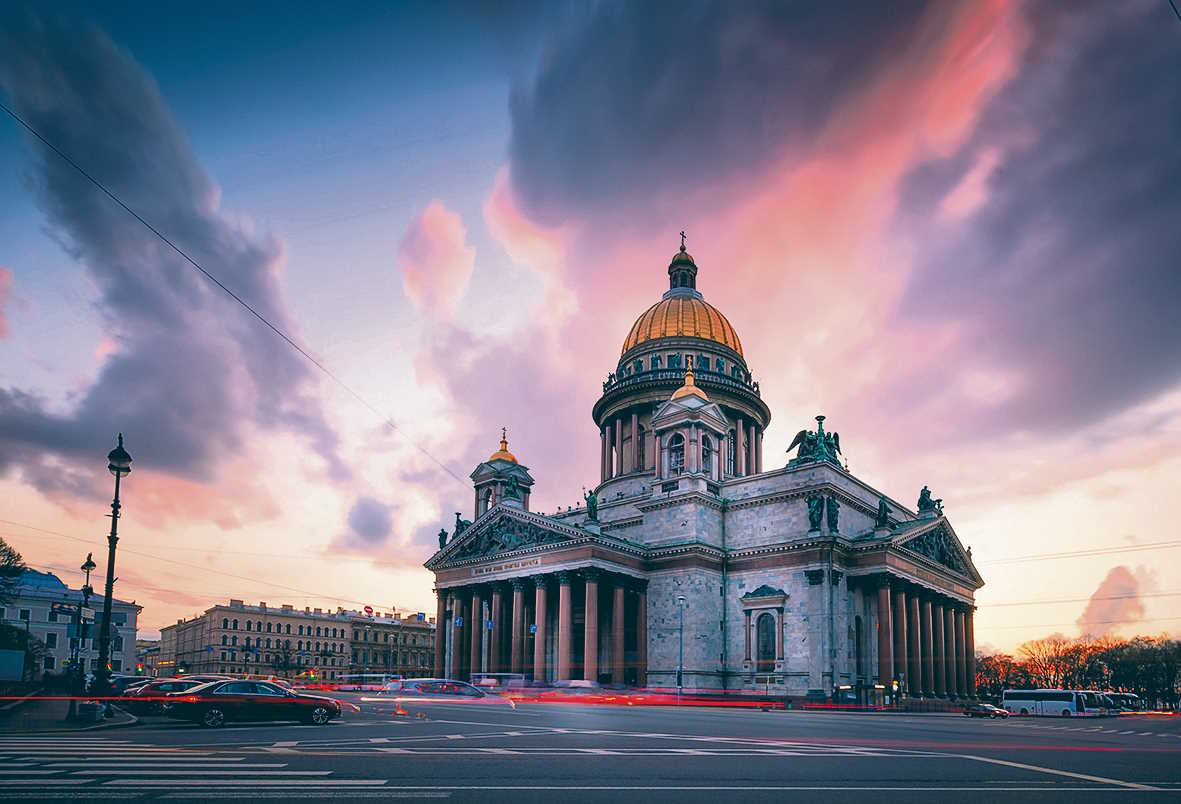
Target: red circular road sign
x=369, y=610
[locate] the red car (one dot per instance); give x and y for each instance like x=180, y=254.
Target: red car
x=222, y=702
x=148, y=699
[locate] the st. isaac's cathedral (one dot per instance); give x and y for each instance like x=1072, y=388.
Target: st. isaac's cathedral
x=691, y=557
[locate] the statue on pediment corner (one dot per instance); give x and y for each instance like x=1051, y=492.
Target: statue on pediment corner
x=460, y=525
x=883, y=518
x=442, y=538
x=925, y=501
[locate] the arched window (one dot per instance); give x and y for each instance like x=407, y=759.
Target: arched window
x=289, y=629
x=235, y=625
x=268, y=642
x=224, y=639
x=225, y=623
x=486, y=503
x=641, y=441
x=676, y=454
x=766, y=642
x=301, y=629
x=248, y=624
x=258, y=626
x=234, y=640
x=248, y=639
x=731, y=453
x=268, y=628
x=707, y=455
x=299, y=645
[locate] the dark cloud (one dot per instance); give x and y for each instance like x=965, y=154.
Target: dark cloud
x=193, y=374
x=1117, y=602
x=370, y=524
x=634, y=102
x=1069, y=272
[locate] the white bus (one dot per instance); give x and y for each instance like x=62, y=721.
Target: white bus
x=1057, y=703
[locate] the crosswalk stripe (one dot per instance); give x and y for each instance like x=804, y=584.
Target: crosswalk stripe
x=96, y=766
x=205, y=772
x=195, y=781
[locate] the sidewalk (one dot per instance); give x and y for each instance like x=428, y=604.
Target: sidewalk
x=49, y=715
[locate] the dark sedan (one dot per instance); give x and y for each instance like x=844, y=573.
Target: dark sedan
x=222, y=702
x=984, y=710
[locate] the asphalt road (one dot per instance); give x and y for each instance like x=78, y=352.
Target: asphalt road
x=564, y=753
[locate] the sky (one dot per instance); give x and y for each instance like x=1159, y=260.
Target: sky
x=950, y=227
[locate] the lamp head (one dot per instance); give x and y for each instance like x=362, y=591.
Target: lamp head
x=119, y=460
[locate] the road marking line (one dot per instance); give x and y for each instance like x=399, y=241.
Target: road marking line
x=194, y=782
x=1054, y=771
x=203, y=772
x=142, y=766
x=456, y=736
x=7, y=772
x=379, y=739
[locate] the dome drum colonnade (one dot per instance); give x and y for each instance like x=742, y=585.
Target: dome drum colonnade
x=680, y=331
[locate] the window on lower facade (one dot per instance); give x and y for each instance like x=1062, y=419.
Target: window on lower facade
x=51, y=640
x=50, y=663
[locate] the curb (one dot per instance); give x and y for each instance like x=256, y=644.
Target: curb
x=14, y=704
x=123, y=724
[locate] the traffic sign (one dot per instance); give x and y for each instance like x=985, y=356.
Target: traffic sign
x=369, y=610
x=458, y=622
x=488, y=624
x=87, y=613
x=533, y=628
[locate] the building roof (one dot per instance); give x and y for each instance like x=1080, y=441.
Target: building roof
x=34, y=583
x=682, y=316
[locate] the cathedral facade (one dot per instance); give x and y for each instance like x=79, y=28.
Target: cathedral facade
x=691, y=564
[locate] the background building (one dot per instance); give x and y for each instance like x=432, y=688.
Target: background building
x=239, y=639
x=387, y=643
x=32, y=608
x=694, y=563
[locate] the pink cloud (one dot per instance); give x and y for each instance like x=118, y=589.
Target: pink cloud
x=435, y=261
x=972, y=190
x=5, y=291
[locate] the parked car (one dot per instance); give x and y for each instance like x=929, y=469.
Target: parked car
x=220, y=702
x=206, y=678
x=984, y=710
x=148, y=699
x=119, y=683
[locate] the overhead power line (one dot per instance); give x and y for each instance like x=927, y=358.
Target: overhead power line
x=1096, y=551
x=245, y=304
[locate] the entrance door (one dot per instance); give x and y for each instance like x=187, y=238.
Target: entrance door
x=765, y=631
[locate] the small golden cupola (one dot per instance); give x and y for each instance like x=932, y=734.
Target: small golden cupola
x=689, y=388
x=503, y=454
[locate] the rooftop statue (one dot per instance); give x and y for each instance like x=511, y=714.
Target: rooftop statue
x=925, y=501
x=460, y=525
x=883, y=513
x=817, y=446
x=442, y=538
x=592, y=506
x=512, y=490
x=832, y=508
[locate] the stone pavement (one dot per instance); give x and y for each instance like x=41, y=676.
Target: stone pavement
x=48, y=714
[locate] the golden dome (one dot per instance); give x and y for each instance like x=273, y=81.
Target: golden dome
x=503, y=454
x=689, y=388
x=682, y=316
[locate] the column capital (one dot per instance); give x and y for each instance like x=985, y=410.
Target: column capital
x=884, y=580
x=518, y=583
x=540, y=581
x=592, y=574
x=564, y=577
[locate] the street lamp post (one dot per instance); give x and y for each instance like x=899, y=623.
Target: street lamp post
x=119, y=464
x=680, y=646
x=365, y=656
x=80, y=636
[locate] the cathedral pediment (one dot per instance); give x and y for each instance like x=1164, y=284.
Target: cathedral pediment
x=937, y=542
x=504, y=530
